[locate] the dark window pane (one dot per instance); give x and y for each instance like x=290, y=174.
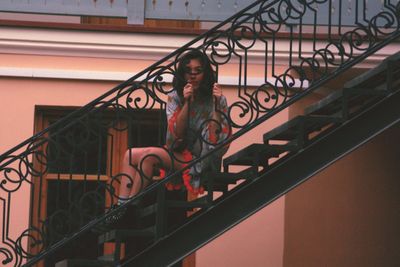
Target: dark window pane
x=80, y=148
x=70, y=205
x=147, y=128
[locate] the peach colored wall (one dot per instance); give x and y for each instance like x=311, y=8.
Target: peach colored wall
x=348, y=215
x=75, y=63
x=256, y=242
x=19, y=97
x=18, y=100
x=259, y=240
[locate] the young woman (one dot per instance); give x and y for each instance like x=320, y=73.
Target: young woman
x=196, y=112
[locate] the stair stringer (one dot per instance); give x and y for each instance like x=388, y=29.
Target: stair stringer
x=249, y=198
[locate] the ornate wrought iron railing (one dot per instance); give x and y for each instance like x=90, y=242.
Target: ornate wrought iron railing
x=69, y=167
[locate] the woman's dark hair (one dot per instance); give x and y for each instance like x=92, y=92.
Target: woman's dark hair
x=208, y=81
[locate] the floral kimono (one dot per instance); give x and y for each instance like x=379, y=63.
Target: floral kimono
x=198, y=140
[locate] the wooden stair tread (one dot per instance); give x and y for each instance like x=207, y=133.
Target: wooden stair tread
x=84, y=263
x=247, y=155
x=147, y=211
x=298, y=125
x=326, y=106
x=375, y=75
x=230, y=178
x=107, y=258
x=196, y=203
x=223, y=179
x=361, y=89
x=355, y=98
x=122, y=234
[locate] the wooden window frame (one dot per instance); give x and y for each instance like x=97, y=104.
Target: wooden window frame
x=115, y=152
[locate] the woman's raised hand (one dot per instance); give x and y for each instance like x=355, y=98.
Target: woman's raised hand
x=217, y=91
x=188, y=92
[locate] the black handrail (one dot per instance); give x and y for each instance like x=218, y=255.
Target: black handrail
x=258, y=23
x=124, y=84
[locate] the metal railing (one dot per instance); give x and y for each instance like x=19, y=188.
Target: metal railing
x=69, y=167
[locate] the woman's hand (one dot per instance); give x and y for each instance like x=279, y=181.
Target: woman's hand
x=183, y=115
x=216, y=116
x=217, y=91
x=188, y=92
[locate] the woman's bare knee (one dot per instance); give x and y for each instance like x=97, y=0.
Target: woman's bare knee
x=153, y=156
x=133, y=156
x=145, y=156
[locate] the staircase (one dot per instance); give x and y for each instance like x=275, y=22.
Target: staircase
x=372, y=97
x=284, y=160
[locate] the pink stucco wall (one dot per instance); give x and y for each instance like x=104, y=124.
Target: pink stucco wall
x=256, y=242
x=18, y=100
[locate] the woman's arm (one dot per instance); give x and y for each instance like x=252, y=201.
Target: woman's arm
x=215, y=125
x=182, y=121
x=182, y=118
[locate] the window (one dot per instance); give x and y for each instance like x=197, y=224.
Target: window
x=75, y=166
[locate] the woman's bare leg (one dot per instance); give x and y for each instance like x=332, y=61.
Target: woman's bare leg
x=138, y=166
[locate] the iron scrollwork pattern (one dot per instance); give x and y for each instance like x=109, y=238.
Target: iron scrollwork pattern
x=67, y=148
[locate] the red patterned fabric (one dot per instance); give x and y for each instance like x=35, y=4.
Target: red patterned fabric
x=201, y=112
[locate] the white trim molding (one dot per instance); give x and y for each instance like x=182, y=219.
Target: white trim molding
x=68, y=74
x=145, y=46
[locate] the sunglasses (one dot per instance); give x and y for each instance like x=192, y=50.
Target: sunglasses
x=190, y=71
